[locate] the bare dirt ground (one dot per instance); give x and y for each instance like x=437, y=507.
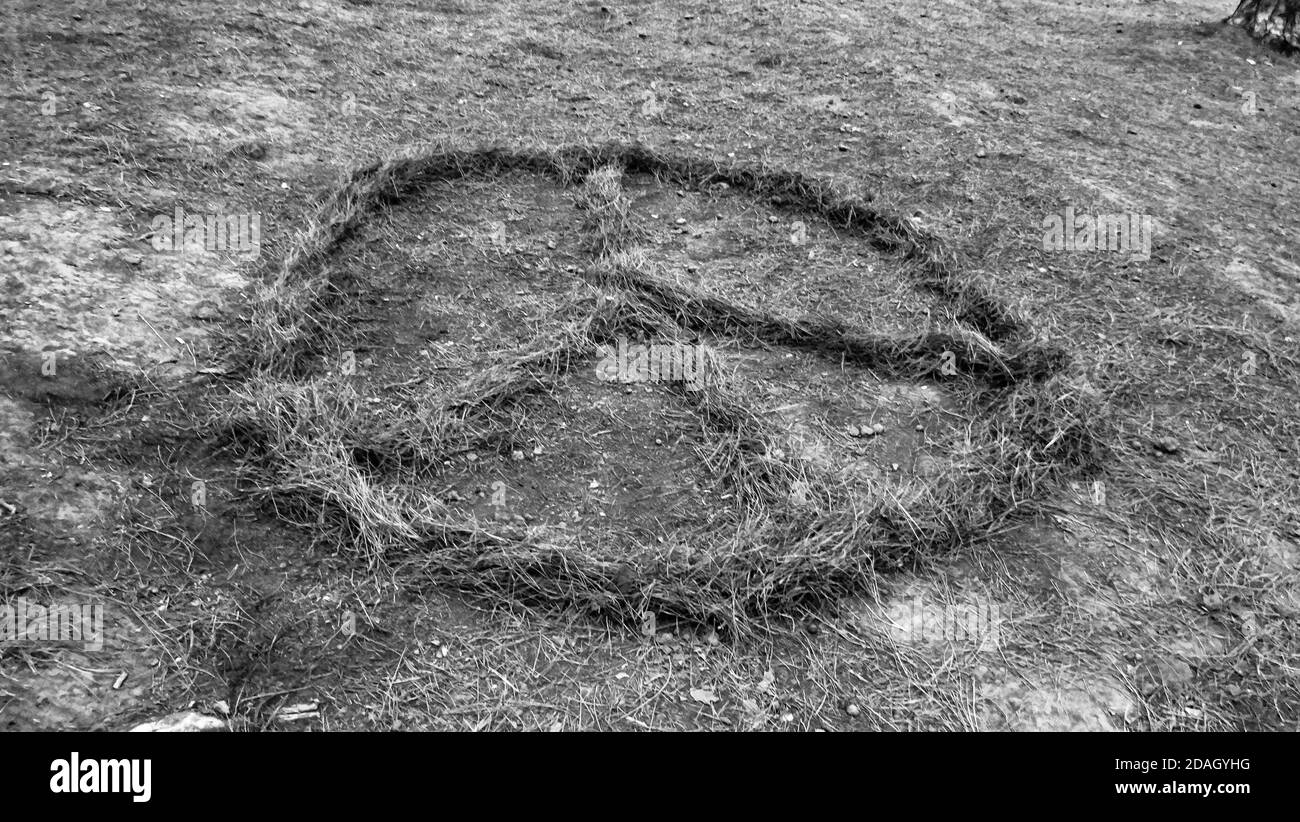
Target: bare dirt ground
x=1158, y=588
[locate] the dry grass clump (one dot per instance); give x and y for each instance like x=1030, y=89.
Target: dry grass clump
x=372, y=472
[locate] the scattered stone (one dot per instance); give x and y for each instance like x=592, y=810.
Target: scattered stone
x=878, y=427
x=1167, y=445
x=854, y=431
x=852, y=709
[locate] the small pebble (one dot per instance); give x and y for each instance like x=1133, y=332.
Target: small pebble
x=878, y=427
x=1168, y=445
x=852, y=709
x=854, y=431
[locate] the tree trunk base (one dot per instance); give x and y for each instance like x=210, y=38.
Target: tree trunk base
x=1272, y=22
